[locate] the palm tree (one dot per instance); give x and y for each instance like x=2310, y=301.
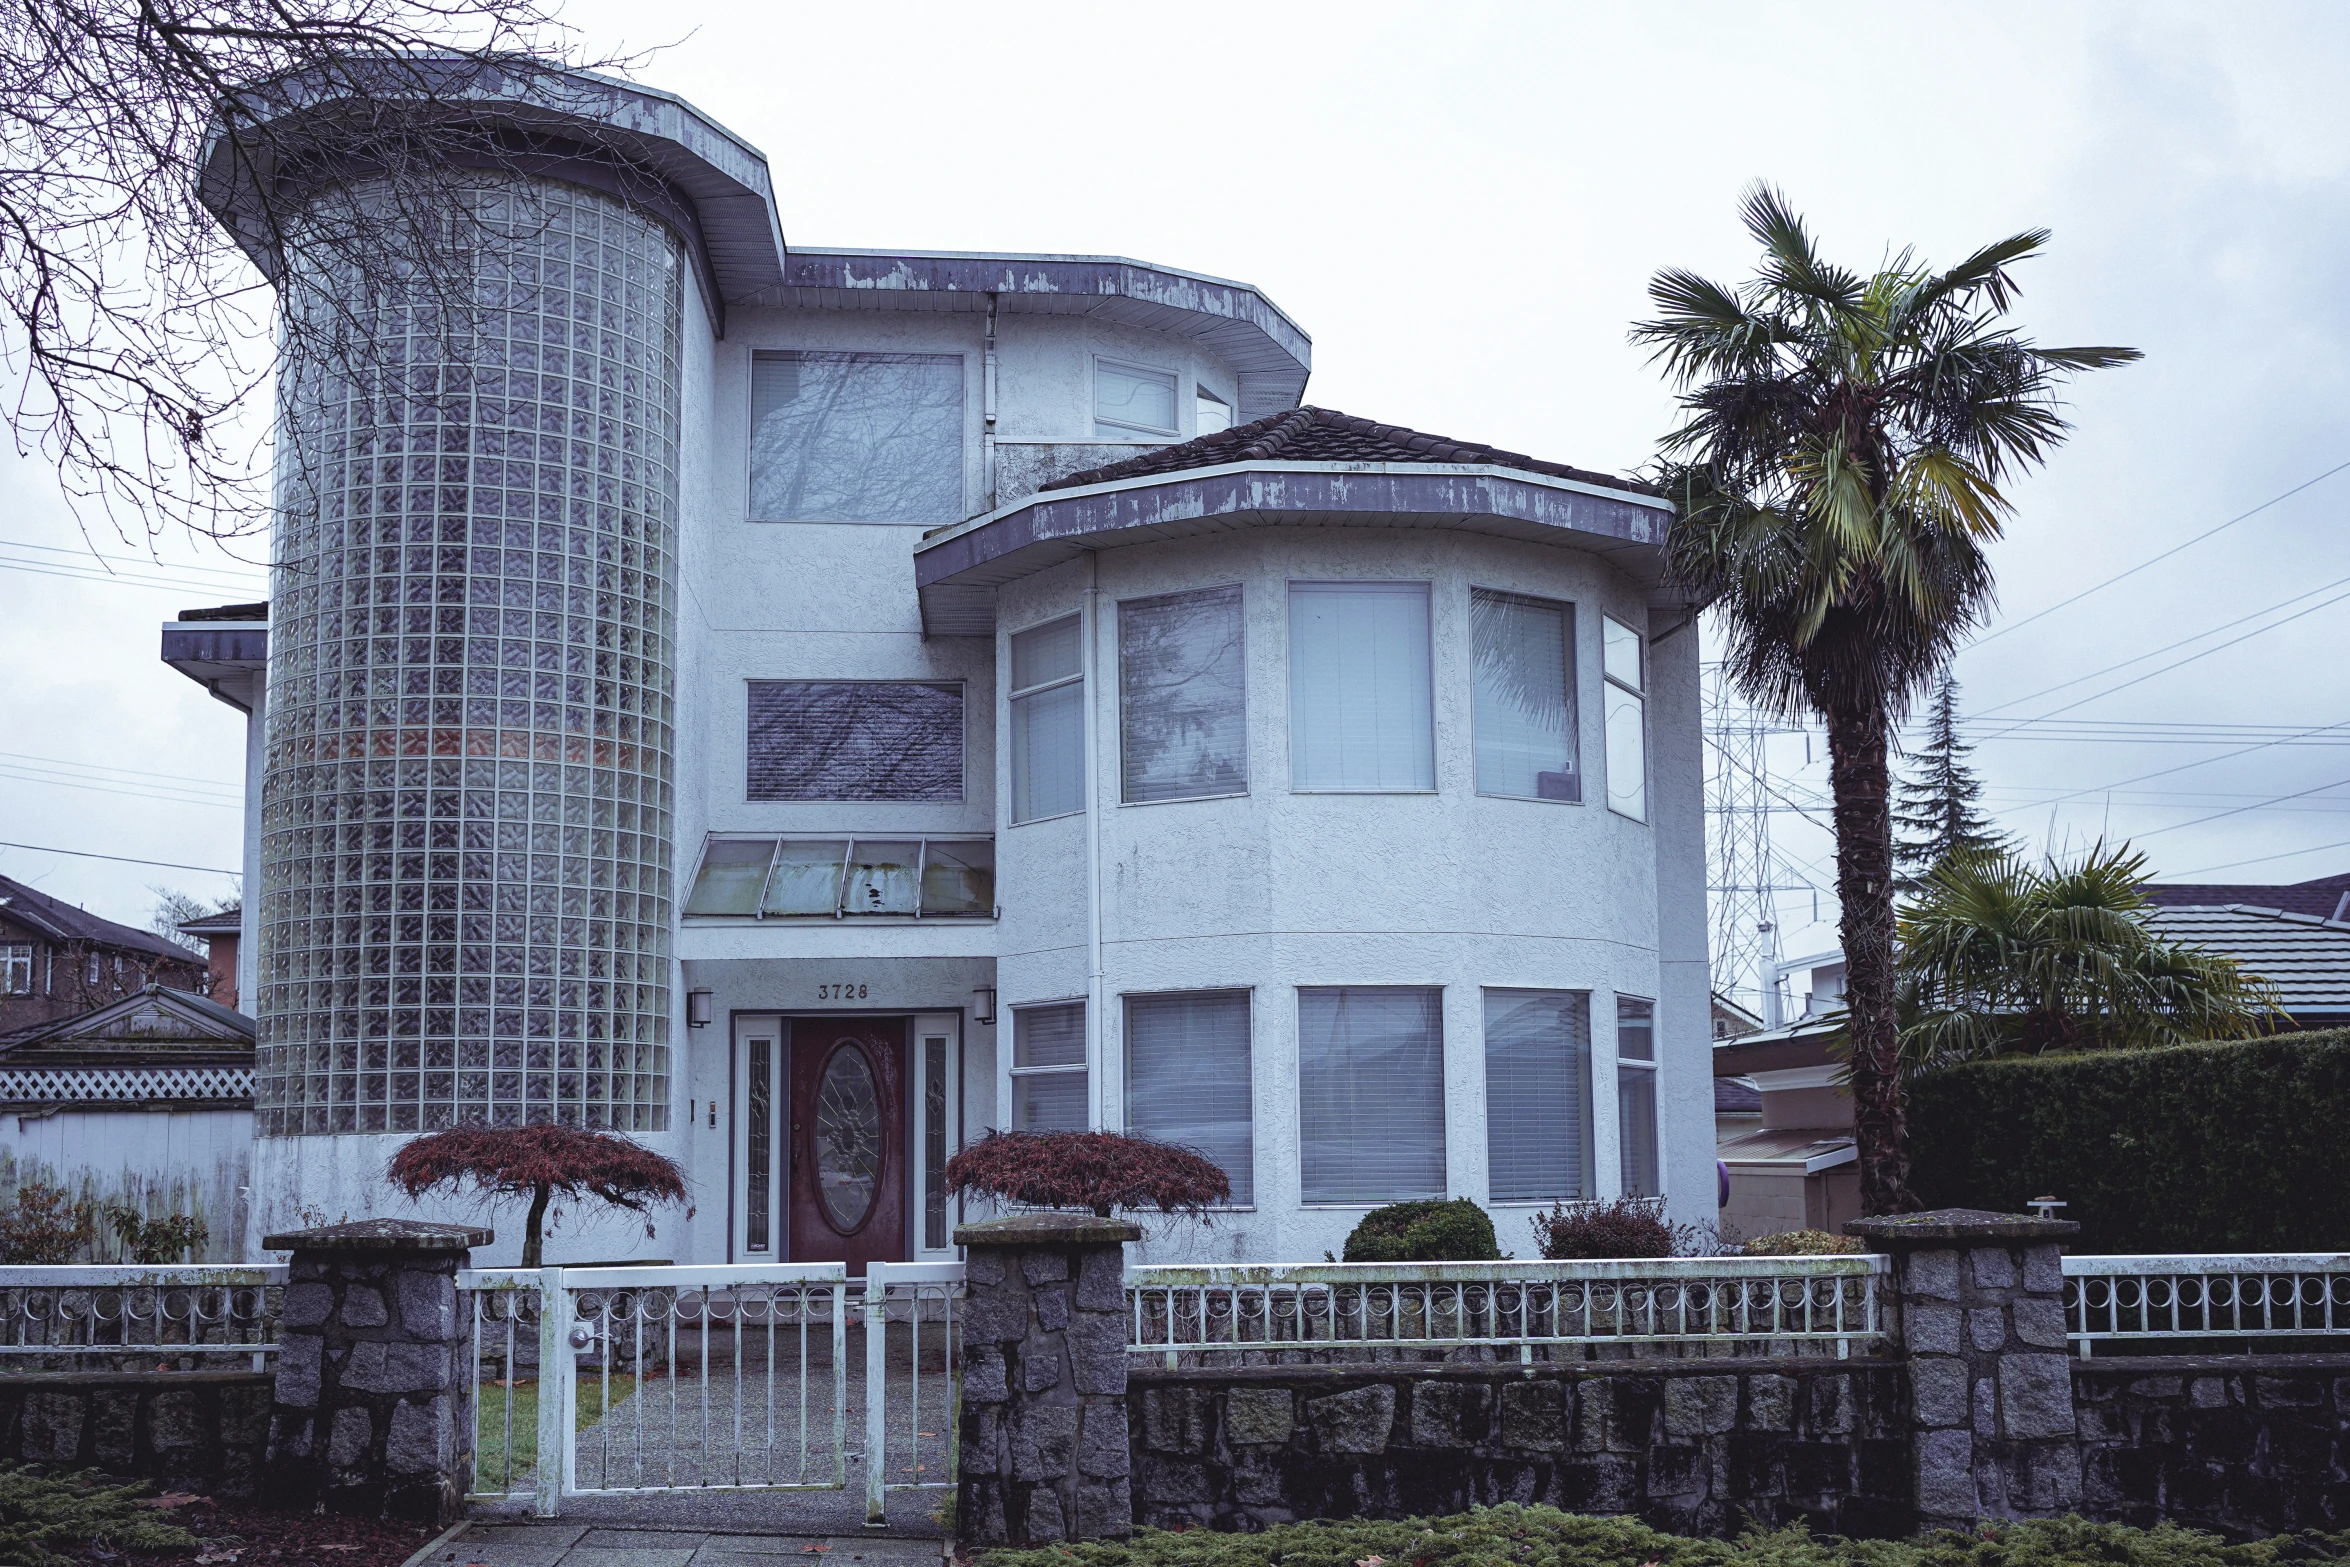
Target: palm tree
x=1837, y=475
x=2000, y=956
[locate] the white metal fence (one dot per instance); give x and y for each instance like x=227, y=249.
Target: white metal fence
x=1343, y=1311
x=2223, y=1298
x=599, y=1381
x=123, y=1317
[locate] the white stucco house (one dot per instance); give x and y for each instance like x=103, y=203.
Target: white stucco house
x=822, y=705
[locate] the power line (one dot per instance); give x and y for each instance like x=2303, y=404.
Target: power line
x=243, y=569
x=2099, y=587
x=179, y=798
x=2286, y=854
x=43, y=569
x=173, y=865
x=101, y=767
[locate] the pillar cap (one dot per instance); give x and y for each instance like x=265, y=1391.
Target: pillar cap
x=1960, y=1227
x=393, y=1235
x=1048, y=1229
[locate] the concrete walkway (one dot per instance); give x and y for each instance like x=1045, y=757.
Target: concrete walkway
x=583, y=1543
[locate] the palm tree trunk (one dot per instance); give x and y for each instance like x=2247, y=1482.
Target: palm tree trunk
x=1860, y=778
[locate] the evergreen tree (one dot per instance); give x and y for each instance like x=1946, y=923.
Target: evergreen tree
x=1936, y=811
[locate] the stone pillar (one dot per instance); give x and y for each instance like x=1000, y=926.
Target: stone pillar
x=1980, y=1303
x=373, y=1411
x=1043, y=1435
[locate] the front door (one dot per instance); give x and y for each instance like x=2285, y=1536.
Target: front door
x=847, y=1140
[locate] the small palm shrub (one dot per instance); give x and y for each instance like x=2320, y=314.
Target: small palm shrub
x=1098, y=1171
x=1454, y=1231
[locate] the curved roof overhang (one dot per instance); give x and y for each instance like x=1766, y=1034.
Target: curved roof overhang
x=1270, y=353
x=958, y=570
x=648, y=147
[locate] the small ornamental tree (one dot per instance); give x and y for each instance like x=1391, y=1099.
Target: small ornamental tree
x=542, y=1163
x=1103, y=1171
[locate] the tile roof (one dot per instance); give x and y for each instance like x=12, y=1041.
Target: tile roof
x=2306, y=956
x=225, y=923
x=1736, y=1096
x=61, y=921
x=1324, y=435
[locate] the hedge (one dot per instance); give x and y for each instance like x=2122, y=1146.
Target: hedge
x=2195, y=1148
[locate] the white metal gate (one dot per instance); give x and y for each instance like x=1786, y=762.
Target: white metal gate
x=630, y=1380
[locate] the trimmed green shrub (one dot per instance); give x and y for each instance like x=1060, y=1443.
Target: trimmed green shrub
x=2227, y=1147
x=1455, y=1231
x=1803, y=1243
x=44, y=1517
x=1512, y=1536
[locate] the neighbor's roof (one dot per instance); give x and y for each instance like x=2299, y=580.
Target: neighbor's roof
x=61, y=921
x=225, y=923
x=1324, y=435
x=2323, y=897
x=2306, y=957
x=156, y=1017
x=1736, y=1096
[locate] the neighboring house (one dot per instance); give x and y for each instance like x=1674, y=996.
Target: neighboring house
x=57, y=960
x=1731, y=1019
x=960, y=692
x=146, y=1102
x=2305, y=956
x=222, y=934
x=1794, y=1165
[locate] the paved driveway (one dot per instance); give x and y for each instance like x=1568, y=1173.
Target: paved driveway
x=582, y=1543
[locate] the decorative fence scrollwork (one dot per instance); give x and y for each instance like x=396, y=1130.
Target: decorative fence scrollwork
x=128, y=1318
x=2158, y=1301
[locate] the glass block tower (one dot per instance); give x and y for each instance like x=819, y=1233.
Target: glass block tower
x=467, y=837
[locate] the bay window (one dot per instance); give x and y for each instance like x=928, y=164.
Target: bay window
x=1538, y=1095
x=1621, y=658
x=1370, y=1091
x=1048, y=722
x=1636, y=1095
x=1182, y=696
x=1188, y=1079
x=1361, y=712
x=1524, y=704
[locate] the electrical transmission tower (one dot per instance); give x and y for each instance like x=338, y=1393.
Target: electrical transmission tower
x=1739, y=864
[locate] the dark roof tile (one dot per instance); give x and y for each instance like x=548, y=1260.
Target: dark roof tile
x=1324, y=435
x=61, y=921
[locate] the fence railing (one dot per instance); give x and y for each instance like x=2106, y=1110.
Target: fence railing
x=116, y=1317
x=2220, y=1297
x=914, y=1309
x=1522, y=1310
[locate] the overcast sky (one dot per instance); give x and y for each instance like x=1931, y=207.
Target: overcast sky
x=1462, y=204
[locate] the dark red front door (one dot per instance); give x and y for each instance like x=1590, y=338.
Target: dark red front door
x=848, y=1155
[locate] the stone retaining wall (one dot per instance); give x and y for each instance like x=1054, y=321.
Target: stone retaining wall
x=1692, y=1446
x=2239, y=1444
x=201, y=1431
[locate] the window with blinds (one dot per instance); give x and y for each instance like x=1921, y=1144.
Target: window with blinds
x=1132, y=400
x=1048, y=1069
x=1524, y=708
x=851, y=437
x=855, y=740
x=1361, y=714
x=1626, y=717
x=1538, y=1095
x=1048, y=721
x=1370, y=1088
x=1182, y=696
x=1188, y=1080
x=1636, y=1096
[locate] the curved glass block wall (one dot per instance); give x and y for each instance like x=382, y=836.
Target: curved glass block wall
x=466, y=809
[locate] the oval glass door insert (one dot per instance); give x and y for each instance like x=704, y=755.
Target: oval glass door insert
x=848, y=1138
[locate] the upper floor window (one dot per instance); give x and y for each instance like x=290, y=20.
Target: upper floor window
x=1360, y=707
x=16, y=969
x=830, y=878
x=1049, y=1080
x=1636, y=1095
x=1210, y=412
x=1182, y=696
x=1132, y=400
x=851, y=437
x=1622, y=656
x=855, y=740
x=1048, y=721
x=1525, y=697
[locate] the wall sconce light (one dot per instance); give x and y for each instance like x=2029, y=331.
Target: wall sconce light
x=983, y=1004
x=697, y=1009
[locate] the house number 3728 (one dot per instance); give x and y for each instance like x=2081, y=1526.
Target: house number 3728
x=840, y=992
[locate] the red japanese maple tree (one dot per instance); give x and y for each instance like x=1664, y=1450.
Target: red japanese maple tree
x=1102, y=1171
x=542, y=1163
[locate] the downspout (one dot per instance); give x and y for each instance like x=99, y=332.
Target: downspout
x=987, y=409
x=1096, y=1033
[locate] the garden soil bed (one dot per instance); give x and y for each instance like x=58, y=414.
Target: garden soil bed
x=238, y=1535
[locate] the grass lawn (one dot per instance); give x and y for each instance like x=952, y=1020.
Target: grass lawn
x=1544, y=1537
x=489, y=1425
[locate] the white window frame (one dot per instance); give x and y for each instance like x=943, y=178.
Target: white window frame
x=1588, y=1129
x=1639, y=697
x=1574, y=697
x=1246, y=779
x=1012, y=701
x=1013, y=1071
x=1289, y=678
x=1626, y=1064
x=1248, y=994
x=12, y=955
x=927, y=1027
x=1174, y=397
